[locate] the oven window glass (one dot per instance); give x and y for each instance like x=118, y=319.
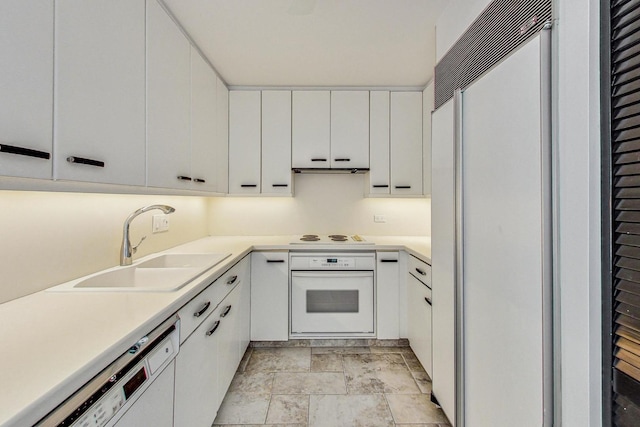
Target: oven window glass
x=332, y=301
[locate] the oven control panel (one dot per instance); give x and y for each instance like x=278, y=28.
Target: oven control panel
x=345, y=261
x=332, y=262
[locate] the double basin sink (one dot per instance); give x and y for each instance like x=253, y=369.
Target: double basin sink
x=163, y=273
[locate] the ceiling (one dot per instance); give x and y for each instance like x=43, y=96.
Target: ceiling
x=294, y=43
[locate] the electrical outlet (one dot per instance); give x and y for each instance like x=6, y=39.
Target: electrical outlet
x=160, y=223
x=379, y=218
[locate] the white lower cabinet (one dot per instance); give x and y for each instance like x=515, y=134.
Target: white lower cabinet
x=155, y=405
x=208, y=359
x=419, y=303
x=388, y=306
x=269, y=296
x=196, y=389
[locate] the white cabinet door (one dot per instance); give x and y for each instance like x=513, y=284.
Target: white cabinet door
x=222, y=136
x=388, y=291
x=203, y=124
x=228, y=312
x=244, y=142
x=350, y=129
x=442, y=258
x=99, y=110
x=26, y=88
x=310, y=127
x=244, y=311
x=196, y=385
x=406, y=143
x=419, y=313
x=168, y=101
x=269, y=296
x=276, y=142
x=379, y=177
x=155, y=406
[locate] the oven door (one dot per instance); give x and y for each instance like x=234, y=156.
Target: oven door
x=332, y=302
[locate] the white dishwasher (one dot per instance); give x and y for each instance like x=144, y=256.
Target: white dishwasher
x=135, y=390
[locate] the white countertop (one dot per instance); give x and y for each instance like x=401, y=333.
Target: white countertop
x=51, y=343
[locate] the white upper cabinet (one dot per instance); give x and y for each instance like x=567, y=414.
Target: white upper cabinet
x=244, y=142
x=168, y=102
x=203, y=124
x=276, y=142
x=99, y=110
x=350, y=129
x=311, y=124
x=222, y=137
x=26, y=87
x=406, y=143
x=379, y=175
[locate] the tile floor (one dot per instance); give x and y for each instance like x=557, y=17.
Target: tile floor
x=330, y=386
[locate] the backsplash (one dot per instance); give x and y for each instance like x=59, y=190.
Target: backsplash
x=323, y=204
x=51, y=238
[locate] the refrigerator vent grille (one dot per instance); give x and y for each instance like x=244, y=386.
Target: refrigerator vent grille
x=499, y=30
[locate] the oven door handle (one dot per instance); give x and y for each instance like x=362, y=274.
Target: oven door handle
x=332, y=274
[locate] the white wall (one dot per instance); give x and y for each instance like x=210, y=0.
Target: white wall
x=577, y=186
x=50, y=238
x=323, y=204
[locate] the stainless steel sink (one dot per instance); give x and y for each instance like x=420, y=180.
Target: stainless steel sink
x=163, y=273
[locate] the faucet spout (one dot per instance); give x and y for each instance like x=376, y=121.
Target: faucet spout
x=126, y=249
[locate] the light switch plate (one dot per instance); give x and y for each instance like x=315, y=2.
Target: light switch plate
x=379, y=218
x=160, y=223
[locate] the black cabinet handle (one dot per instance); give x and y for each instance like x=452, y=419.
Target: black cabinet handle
x=200, y=180
x=403, y=186
x=275, y=260
x=184, y=178
x=212, y=330
x=388, y=260
x=248, y=185
x=318, y=160
x=381, y=186
x=342, y=160
x=21, y=151
x=83, y=161
x=202, y=310
x=428, y=300
x=226, y=311
x=232, y=280
x=419, y=270
x=280, y=185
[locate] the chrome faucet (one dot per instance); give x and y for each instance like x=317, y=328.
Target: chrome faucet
x=126, y=251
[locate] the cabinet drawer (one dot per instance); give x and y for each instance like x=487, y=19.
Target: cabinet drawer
x=420, y=270
x=200, y=307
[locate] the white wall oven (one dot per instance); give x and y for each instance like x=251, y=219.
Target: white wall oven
x=332, y=294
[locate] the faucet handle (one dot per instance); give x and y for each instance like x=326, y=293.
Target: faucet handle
x=134, y=249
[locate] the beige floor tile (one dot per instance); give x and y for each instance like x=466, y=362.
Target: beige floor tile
x=288, y=408
x=243, y=408
x=414, y=408
x=252, y=382
x=384, y=349
x=340, y=350
x=363, y=381
x=349, y=411
x=398, y=382
x=295, y=359
x=326, y=363
x=412, y=362
x=423, y=381
x=309, y=383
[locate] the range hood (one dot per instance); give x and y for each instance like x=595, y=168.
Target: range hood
x=330, y=171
